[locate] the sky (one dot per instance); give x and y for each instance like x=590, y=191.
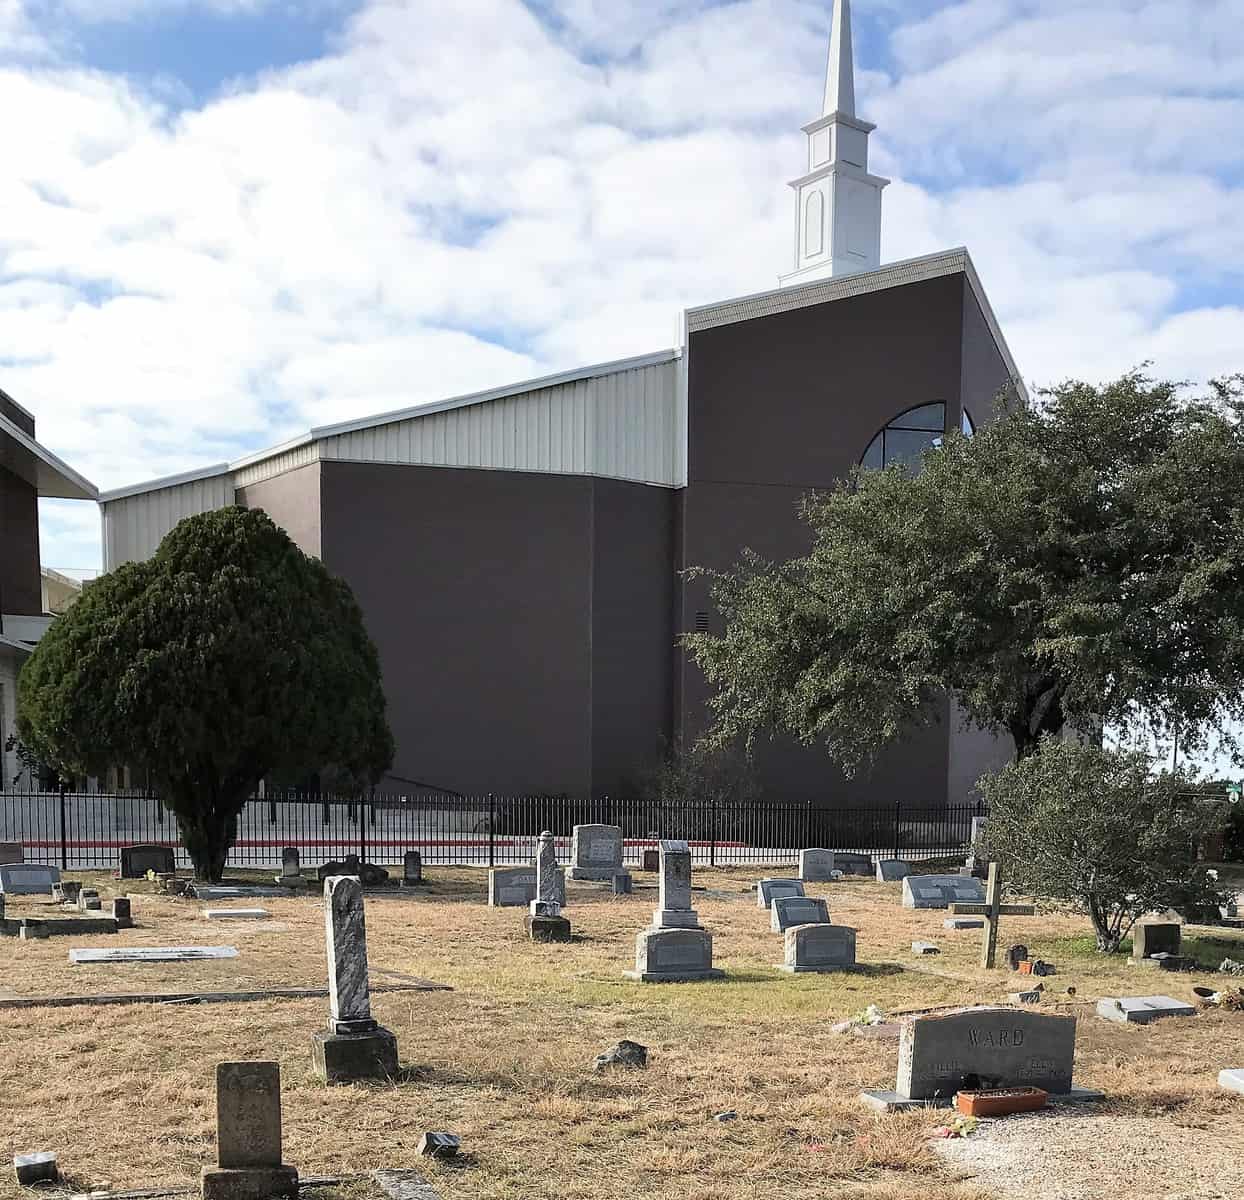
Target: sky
x=223, y=222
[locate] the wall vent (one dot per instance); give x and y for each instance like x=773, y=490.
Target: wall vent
x=701, y=622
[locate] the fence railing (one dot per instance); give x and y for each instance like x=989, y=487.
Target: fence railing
x=86, y=831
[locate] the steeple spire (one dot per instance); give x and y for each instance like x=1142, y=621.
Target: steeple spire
x=840, y=78
x=837, y=203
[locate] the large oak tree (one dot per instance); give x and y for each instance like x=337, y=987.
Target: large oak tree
x=1079, y=560
x=228, y=655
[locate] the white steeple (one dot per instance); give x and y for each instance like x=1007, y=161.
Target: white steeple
x=838, y=203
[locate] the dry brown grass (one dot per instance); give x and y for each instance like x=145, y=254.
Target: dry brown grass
x=125, y=1095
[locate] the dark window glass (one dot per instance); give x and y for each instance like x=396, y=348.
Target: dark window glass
x=968, y=425
x=907, y=445
x=906, y=438
x=874, y=456
x=931, y=417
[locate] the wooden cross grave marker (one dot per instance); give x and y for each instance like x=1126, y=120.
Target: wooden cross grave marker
x=991, y=910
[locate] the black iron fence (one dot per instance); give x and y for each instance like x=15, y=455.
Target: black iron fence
x=87, y=830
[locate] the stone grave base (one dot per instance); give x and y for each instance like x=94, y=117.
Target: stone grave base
x=595, y=874
x=687, y=976
x=251, y=1183
x=792, y=969
x=28, y=928
x=673, y=956
x=548, y=929
x=1142, y=1010
x=888, y=1102
x=346, y=1057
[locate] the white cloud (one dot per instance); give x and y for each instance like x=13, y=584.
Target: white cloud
x=465, y=194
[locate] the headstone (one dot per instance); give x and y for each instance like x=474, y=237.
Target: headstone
x=923, y=948
x=235, y=914
x=142, y=954
x=674, y=909
x=28, y=879
x=291, y=869
x=121, y=913
x=355, y=1046
x=854, y=863
x=941, y=891
x=11, y=852
x=368, y=873
x=652, y=860
x=511, y=887
x=978, y=827
x=767, y=890
x=1016, y=955
x=815, y=866
x=248, y=1135
x=136, y=861
x=37, y=1167
x=1231, y=1080
x=438, y=1145
x=676, y=948
x=892, y=870
x=1142, y=1010
x=89, y=901
x=982, y=1048
x=788, y=911
x=545, y=922
x=1156, y=937
x=960, y=923
x=595, y=852
x=412, y=868
x=818, y=948
x=623, y=884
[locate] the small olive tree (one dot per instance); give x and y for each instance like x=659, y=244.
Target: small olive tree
x=1098, y=829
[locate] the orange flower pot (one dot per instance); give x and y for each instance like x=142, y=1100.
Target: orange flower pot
x=1000, y=1102
x=1025, y=967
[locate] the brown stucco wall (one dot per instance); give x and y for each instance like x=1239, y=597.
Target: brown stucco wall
x=784, y=404
x=292, y=500
x=19, y=547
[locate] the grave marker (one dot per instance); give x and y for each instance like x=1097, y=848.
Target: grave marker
x=142, y=954
x=854, y=863
x=545, y=922
x=412, y=868
x=676, y=948
x=236, y=914
x=1156, y=937
x=248, y=1136
x=291, y=869
x=941, y=891
x=816, y=865
x=892, y=870
x=652, y=860
x=818, y=949
x=28, y=879
x=136, y=861
x=991, y=910
x=788, y=911
x=674, y=909
x=595, y=852
x=355, y=1046
x=121, y=913
x=11, y=852
x=767, y=890
x=982, y=1048
x=1142, y=1010
x=1231, y=1080
x=511, y=887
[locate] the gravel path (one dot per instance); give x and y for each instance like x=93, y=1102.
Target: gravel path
x=1083, y=1156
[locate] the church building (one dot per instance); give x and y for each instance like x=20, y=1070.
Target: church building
x=518, y=554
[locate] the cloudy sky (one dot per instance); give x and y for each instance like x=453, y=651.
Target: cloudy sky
x=224, y=221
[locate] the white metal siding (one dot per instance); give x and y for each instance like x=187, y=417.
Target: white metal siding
x=277, y=464
x=134, y=526
x=622, y=425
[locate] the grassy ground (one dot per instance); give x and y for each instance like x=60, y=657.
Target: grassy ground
x=125, y=1096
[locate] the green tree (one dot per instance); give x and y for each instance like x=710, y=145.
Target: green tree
x=1099, y=830
x=228, y=655
x=1078, y=561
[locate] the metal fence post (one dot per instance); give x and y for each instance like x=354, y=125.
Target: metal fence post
x=492, y=830
x=713, y=817
x=64, y=843
x=898, y=812
x=363, y=828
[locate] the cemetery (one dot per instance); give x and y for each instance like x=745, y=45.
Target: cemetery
x=443, y=1039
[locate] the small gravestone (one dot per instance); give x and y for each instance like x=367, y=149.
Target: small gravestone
x=1016, y=955
x=1231, y=1080
x=970, y=864
x=235, y=914
x=652, y=860
x=368, y=874
x=854, y=863
x=923, y=948
x=136, y=861
x=676, y=948
x=767, y=890
x=892, y=870
x=438, y=1145
x=982, y=1048
x=89, y=901
x=623, y=884
x=28, y=879
x=11, y=852
x=147, y=954
x=121, y=913
x=816, y=865
x=788, y=911
x=37, y=1167
x=941, y=891
x=595, y=852
x=511, y=887
x=412, y=868
x=355, y=1046
x=291, y=869
x=545, y=922
x=1142, y=1010
x=960, y=923
x=1156, y=937
x=818, y=949
x=248, y=1136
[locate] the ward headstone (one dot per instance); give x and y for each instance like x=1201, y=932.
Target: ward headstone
x=676, y=948
x=818, y=949
x=136, y=861
x=816, y=865
x=892, y=870
x=768, y=890
x=788, y=911
x=354, y=1046
x=511, y=887
x=545, y=921
x=595, y=852
x=248, y=1135
x=28, y=879
x=982, y=1048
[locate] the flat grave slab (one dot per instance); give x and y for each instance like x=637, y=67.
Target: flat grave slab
x=1232, y=1080
x=941, y=891
x=216, y=891
x=141, y=954
x=963, y=923
x=236, y=914
x=34, y=928
x=1142, y=1010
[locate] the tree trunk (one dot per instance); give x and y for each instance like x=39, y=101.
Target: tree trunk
x=209, y=827
x=1109, y=938
x=1040, y=714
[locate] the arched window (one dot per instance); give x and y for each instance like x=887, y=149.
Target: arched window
x=907, y=437
x=967, y=424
